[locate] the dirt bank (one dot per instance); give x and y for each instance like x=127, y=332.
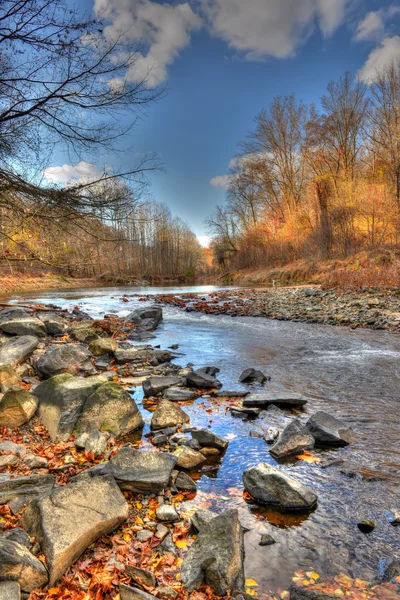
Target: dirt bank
x=24, y=283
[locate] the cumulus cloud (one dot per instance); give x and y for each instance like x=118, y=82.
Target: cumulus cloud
x=372, y=27
x=83, y=171
x=163, y=28
x=221, y=181
x=382, y=56
x=263, y=28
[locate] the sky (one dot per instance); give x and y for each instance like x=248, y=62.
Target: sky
x=222, y=61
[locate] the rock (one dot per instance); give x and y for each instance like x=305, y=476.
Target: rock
x=126, y=355
x=272, y=487
x=18, y=564
x=8, y=378
x=281, y=399
x=232, y=393
x=15, y=350
x=366, y=526
x=244, y=412
x=307, y=594
x=103, y=345
x=253, y=376
x=161, y=531
x=293, y=440
x=167, y=513
x=85, y=332
x=210, y=451
x=13, y=312
x=144, y=535
x=266, y=540
x=392, y=569
x=129, y=593
x=95, y=442
x=216, y=556
x=24, y=326
x=10, y=590
x=110, y=408
x=73, y=517
x=176, y=394
x=185, y=483
x=147, y=318
x=156, y=385
x=68, y=358
x=35, y=462
x=61, y=400
x=188, y=458
x=26, y=487
x=17, y=535
x=201, y=518
x=198, y=379
x=16, y=408
x=7, y=459
x=329, y=431
x=210, y=439
x=141, y=576
x=168, y=414
x=142, y=472
x=271, y=435
x=165, y=592
x=395, y=517
x=54, y=326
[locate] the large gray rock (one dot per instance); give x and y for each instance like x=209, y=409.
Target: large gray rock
x=329, y=431
x=145, y=472
x=18, y=564
x=110, y=408
x=201, y=518
x=24, y=326
x=280, y=399
x=61, y=400
x=54, y=324
x=147, y=317
x=216, y=556
x=189, y=459
x=10, y=590
x=15, y=350
x=134, y=354
x=156, y=385
x=168, y=414
x=25, y=487
x=200, y=379
x=72, y=517
x=68, y=358
x=272, y=487
x=177, y=394
x=16, y=408
x=293, y=440
x=13, y=312
x=252, y=376
x=185, y=483
x=205, y=437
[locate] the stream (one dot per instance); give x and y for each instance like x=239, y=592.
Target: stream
x=353, y=374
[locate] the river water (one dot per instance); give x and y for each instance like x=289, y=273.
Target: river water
x=353, y=374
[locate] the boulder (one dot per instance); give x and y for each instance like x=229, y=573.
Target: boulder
x=156, y=385
x=293, y=440
x=280, y=399
x=210, y=370
x=168, y=414
x=147, y=318
x=216, y=556
x=73, y=517
x=103, y=345
x=25, y=487
x=127, y=355
x=15, y=350
x=8, y=378
x=198, y=379
x=54, y=325
x=68, y=358
x=24, y=326
x=110, y=408
x=85, y=332
x=146, y=472
x=201, y=518
x=129, y=593
x=13, y=312
x=329, y=431
x=185, y=483
x=18, y=564
x=16, y=408
x=253, y=376
x=177, y=394
x=210, y=439
x=61, y=400
x=188, y=458
x=10, y=590
x=272, y=487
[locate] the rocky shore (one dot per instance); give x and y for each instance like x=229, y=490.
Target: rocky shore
x=93, y=505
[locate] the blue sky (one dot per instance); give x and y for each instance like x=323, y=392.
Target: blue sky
x=224, y=60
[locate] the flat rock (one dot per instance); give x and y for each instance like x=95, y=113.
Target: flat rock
x=13, y=312
x=71, y=518
x=145, y=472
x=329, y=431
x=16, y=408
x=110, y=408
x=232, y=393
x=168, y=414
x=272, y=487
x=177, y=394
x=10, y=590
x=18, y=564
x=188, y=458
x=24, y=326
x=27, y=486
x=216, y=556
x=293, y=440
x=205, y=437
x=156, y=385
x=129, y=593
x=280, y=399
x=61, y=400
x=15, y=350
x=141, y=576
x=127, y=355
x=202, y=380
x=68, y=358
x=245, y=412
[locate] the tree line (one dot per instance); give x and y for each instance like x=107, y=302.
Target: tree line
x=315, y=182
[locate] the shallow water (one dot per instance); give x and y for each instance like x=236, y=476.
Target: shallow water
x=354, y=374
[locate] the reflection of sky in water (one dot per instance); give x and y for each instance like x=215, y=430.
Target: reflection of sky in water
x=353, y=374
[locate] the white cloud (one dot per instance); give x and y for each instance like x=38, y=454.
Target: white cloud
x=220, y=181
x=382, y=56
x=371, y=27
x=262, y=28
x=83, y=171
x=164, y=28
